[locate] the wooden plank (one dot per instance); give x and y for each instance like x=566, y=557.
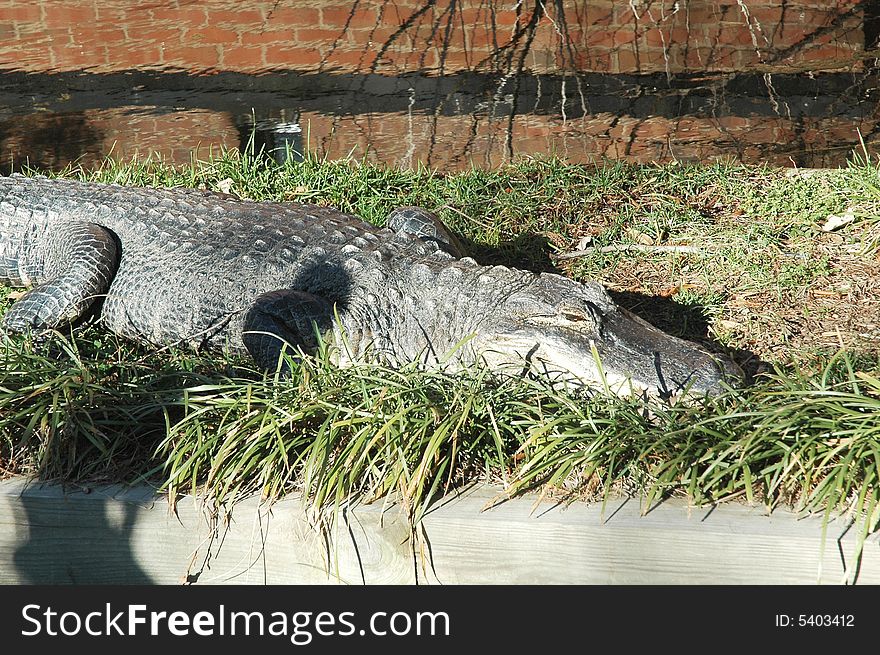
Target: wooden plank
x=116, y=535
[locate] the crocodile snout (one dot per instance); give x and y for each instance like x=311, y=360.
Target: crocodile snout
x=661, y=364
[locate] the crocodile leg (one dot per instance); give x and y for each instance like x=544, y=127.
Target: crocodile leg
x=284, y=320
x=87, y=257
x=426, y=226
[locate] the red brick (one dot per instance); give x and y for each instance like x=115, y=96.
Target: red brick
x=839, y=132
x=357, y=59
x=652, y=128
x=654, y=60
x=456, y=41
x=531, y=145
x=485, y=39
x=293, y=57
x=608, y=39
x=767, y=17
x=68, y=57
x=396, y=14
x=23, y=58
x=506, y=17
x=382, y=34
x=288, y=17
x=134, y=57
x=574, y=34
x=359, y=37
x=402, y=60
x=239, y=17
x=277, y=37
x=627, y=62
x=238, y=58
x=726, y=58
x=211, y=35
x=475, y=16
x=831, y=54
x=19, y=13
x=762, y=134
x=27, y=36
x=690, y=124
x=710, y=15
x=697, y=58
x=393, y=62
x=456, y=60
x=113, y=15
x=602, y=13
x=191, y=15
x=69, y=16
x=813, y=18
x=838, y=37
x=533, y=129
x=339, y=17
x=159, y=35
x=103, y=35
x=739, y=35
x=192, y=57
x=664, y=37
x=593, y=60
x=328, y=36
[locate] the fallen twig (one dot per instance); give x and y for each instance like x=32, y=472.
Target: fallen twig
x=691, y=250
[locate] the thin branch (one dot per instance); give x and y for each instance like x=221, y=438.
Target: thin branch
x=691, y=250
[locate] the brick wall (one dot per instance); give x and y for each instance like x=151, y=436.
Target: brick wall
x=459, y=141
x=55, y=140
x=392, y=36
x=52, y=141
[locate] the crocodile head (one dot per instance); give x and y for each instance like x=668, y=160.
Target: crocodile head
x=576, y=334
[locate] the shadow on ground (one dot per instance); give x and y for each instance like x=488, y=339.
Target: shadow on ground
x=69, y=541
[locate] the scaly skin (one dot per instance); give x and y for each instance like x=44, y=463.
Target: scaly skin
x=208, y=270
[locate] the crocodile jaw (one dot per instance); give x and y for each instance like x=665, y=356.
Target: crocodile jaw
x=627, y=357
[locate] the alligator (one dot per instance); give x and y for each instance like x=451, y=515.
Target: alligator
x=210, y=270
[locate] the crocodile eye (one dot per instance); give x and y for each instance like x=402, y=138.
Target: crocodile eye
x=573, y=315
x=589, y=312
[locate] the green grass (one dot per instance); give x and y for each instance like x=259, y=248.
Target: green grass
x=88, y=406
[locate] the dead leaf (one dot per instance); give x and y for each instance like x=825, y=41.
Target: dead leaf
x=834, y=222
x=225, y=186
x=639, y=237
x=585, y=242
